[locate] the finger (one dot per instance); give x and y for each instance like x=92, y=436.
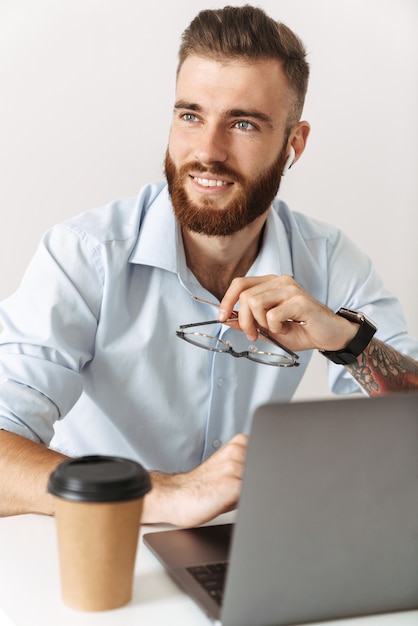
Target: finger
x=275, y=304
x=256, y=304
x=230, y=460
x=235, y=449
x=240, y=445
x=233, y=293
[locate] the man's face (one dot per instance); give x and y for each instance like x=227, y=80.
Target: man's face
x=227, y=143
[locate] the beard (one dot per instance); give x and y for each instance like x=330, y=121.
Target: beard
x=253, y=199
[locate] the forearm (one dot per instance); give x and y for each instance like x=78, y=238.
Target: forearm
x=382, y=369
x=25, y=467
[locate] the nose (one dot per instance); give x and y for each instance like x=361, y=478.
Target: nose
x=212, y=146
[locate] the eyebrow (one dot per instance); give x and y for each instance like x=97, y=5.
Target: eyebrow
x=247, y=113
x=183, y=104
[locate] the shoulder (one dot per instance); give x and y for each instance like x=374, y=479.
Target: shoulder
x=119, y=220
x=305, y=227
x=325, y=261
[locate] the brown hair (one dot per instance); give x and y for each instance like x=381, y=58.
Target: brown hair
x=248, y=32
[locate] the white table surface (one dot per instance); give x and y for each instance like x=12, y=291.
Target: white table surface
x=30, y=587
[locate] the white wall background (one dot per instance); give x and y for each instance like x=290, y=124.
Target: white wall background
x=87, y=88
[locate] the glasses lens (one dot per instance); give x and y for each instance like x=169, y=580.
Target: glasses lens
x=270, y=358
x=206, y=341
x=237, y=345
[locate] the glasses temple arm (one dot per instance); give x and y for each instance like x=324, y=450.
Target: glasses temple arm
x=205, y=323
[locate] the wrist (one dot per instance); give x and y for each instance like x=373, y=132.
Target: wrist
x=366, y=329
x=162, y=505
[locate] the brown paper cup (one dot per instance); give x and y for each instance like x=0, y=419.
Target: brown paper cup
x=97, y=540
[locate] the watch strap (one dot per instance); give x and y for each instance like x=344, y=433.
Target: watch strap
x=360, y=341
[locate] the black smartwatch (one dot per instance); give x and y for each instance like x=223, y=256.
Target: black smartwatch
x=358, y=344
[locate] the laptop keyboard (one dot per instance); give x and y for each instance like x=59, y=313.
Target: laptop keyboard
x=212, y=578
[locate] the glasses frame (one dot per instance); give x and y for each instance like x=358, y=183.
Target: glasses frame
x=251, y=356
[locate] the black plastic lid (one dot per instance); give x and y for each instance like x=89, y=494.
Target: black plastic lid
x=99, y=479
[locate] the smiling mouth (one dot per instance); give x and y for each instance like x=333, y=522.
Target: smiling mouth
x=210, y=182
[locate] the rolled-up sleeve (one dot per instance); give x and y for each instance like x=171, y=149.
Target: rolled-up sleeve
x=355, y=284
x=48, y=334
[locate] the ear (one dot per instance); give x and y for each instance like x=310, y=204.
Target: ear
x=298, y=138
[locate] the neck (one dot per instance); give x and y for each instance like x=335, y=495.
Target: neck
x=216, y=261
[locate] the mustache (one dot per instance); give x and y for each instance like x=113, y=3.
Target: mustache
x=217, y=169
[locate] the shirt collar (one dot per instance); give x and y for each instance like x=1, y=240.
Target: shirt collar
x=158, y=237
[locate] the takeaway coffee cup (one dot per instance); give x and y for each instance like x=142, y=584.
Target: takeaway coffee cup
x=98, y=506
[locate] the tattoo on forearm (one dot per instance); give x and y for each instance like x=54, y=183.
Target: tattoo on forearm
x=381, y=369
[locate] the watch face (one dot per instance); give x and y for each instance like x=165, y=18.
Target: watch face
x=353, y=316
x=356, y=316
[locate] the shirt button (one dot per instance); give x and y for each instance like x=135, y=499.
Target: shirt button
x=216, y=443
x=220, y=382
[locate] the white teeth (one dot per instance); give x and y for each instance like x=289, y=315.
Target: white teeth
x=206, y=182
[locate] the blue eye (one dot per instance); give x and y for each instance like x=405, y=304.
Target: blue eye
x=189, y=117
x=244, y=125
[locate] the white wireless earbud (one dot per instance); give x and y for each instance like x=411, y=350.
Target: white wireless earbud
x=289, y=160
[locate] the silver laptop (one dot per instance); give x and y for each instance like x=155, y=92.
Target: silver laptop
x=327, y=526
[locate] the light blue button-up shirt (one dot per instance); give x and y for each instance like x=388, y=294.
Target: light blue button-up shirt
x=89, y=358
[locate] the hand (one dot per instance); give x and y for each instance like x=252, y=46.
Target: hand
x=195, y=497
x=272, y=302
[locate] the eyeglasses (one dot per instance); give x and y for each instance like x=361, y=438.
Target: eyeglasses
x=284, y=357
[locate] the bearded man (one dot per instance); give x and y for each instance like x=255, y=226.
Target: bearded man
x=92, y=356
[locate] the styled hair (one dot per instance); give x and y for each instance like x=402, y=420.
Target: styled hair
x=248, y=32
